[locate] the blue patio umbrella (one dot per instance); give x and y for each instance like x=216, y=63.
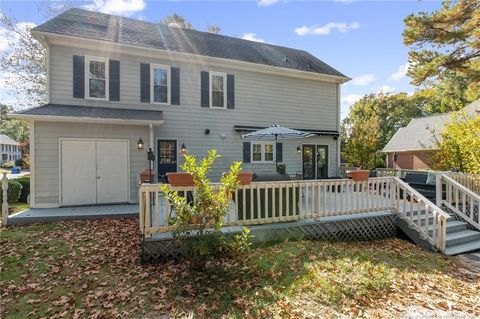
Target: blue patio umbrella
x=274, y=133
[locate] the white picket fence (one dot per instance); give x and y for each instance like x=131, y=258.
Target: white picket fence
x=274, y=202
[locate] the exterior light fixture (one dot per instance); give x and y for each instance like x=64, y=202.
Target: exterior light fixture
x=140, y=144
x=298, y=150
x=184, y=148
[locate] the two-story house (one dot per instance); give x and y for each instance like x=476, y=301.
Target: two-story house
x=9, y=149
x=114, y=82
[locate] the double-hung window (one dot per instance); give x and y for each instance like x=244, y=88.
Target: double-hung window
x=97, y=78
x=160, y=82
x=263, y=152
x=218, y=90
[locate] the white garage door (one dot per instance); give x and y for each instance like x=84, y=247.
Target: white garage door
x=94, y=172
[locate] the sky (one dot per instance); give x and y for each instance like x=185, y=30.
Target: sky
x=361, y=39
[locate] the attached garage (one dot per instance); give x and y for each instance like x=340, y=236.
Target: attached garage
x=94, y=171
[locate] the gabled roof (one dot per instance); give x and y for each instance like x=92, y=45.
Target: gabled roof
x=99, y=26
x=423, y=132
x=4, y=139
x=60, y=112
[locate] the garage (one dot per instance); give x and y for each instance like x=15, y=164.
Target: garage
x=94, y=171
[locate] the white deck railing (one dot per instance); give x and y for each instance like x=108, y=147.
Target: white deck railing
x=460, y=199
x=273, y=202
x=470, y=181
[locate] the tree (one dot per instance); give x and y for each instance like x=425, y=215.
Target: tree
x=15, y=129
x=459, y=145
x=213, y=28
x=362, y=146
x=24, y=62
x=176, y=20
x=445, y=43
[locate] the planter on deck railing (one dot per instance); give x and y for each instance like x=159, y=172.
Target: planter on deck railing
x=359, y=175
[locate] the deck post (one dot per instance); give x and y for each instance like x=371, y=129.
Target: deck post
x=439, y=191
x=4, y=199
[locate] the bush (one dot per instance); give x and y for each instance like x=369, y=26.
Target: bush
x=203, y=217
x=13, y=193
x=19, y=162
x=25, y=181
x=8, y=165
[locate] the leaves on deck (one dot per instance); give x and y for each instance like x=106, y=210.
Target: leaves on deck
x=91, y=269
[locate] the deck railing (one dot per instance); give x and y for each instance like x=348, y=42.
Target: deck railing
x=470, y=181
x=274, y=202
x=460, y=199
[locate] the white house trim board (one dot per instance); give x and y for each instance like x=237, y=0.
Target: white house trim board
x=121, y=48
x=50, y=118
x=32, y=164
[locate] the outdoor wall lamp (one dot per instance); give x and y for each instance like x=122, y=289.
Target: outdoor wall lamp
x=184, y=148
x=140, y=144
x=298, y=150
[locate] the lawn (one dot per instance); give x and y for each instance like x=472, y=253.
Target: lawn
x=90, y=269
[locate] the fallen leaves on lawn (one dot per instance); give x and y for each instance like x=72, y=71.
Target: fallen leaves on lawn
x=91, y=269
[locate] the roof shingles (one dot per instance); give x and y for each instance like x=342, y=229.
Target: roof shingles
x=93, y=25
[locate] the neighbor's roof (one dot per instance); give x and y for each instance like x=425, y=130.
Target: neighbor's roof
x=4, y=139
x=105, y=27
x=90, y=113
x=423, y=132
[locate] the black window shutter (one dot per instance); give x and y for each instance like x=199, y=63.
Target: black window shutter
x=145, y=82
x=114, y=78
x=246, y=152
x=79, y=76
x=205, y=89
x=279, y=152
x=175, y=90
x=230, y=91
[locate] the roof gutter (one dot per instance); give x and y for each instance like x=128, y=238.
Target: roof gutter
x=51, y=118
x=96, y=44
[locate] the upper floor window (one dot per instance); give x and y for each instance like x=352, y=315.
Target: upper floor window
x=96, y=77
x=218, y=92
x=160, y=83
x=263, y=152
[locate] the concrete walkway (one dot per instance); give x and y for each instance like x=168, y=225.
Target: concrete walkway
x=471, y=261
x=39, y=215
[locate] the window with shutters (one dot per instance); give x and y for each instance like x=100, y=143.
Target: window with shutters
x=96, y=77
x=218, y=90
x=263, y=152
x=160, y=84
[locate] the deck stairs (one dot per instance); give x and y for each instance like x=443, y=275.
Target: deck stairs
x=462, y=236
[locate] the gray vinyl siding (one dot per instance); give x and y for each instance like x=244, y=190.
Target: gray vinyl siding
x=47, y=153
x=260, y=100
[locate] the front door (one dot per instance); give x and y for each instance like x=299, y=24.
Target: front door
x=315, y=161
x=166, y=158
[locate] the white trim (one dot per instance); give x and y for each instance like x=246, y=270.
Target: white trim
x=129, y=197
x=89, y=58
x=155, y=151
x=224, y=75
x=121, y=48
x=168, y=68
x=51, y=118
x=339, y=144
x=32, y=164
x=48, y=72
x=262, y=151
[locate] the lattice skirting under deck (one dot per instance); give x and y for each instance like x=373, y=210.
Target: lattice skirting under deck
x=358, y=227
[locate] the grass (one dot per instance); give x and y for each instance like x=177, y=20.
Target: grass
x=17, y=207
x=91, y=268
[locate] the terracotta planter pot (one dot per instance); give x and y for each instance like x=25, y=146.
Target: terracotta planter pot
x=180, y=179
x=359, y=175
x=245, y=178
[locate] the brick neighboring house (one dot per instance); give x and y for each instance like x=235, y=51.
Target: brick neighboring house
x=413, y=146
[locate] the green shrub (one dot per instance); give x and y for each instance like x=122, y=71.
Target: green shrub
x=13, y=193
x=203, y=217
x=25, y=181
x=19, y=162
x=8, y=165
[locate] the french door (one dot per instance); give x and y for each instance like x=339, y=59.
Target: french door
x=314, y=161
